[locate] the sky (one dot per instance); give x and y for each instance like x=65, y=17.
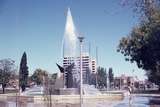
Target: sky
x=37, y=27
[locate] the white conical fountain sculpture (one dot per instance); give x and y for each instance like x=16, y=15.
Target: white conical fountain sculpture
x=70, y=49
x=69, y=44
x=70, y=37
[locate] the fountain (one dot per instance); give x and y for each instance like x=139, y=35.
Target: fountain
x=35, y=90
x=69, y=93
x=70, y=48
x=90, y=90
x=69, y=42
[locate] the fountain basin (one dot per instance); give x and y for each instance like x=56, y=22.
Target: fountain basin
x=72, y=99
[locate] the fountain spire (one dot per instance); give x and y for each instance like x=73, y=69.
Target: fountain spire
x=70, y=38
x=69, y=47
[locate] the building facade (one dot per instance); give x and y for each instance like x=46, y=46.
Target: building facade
x=123, y=82
x=87, y=63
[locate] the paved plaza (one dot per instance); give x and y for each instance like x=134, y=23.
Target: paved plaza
x=133, y=101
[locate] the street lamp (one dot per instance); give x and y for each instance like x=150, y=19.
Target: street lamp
x=81, y=73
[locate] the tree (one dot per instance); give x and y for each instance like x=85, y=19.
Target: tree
x=143, y=8
x=23, y=72
x=53, y=78
x=7, y=71
x=142, y=45
x=87, y=76
x=38, y=76
x=101, y=77
x=111, y=77
x=92, y=79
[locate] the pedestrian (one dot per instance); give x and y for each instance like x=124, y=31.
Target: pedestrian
x=129, y=89
x=130, y=97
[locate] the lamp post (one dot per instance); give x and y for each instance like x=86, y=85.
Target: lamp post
x=81, y=72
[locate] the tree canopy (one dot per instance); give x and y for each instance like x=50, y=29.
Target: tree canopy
x=142, y=45
x=110, y=77
x=53, y=78
x=23, y=72
x=101, y=77
x=7, y=71
x=143, y=8
x=38, y=76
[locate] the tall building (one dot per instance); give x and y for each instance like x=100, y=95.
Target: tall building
x=87, y=62
x=94, y=66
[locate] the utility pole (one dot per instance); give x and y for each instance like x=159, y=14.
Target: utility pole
x=106, y=80
x=81, y=72
x=97, y=67
x=63, y=66
x=97, y=55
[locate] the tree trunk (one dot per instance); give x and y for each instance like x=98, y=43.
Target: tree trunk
x=23, y=88
x=3, y=87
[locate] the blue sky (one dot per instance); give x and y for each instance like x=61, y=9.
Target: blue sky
x=37, y=27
